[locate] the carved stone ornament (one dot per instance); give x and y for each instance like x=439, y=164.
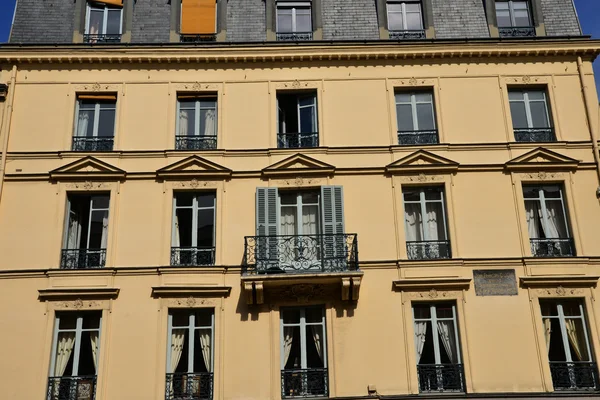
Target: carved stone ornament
x=542, y=176
x=560, y=291
x=299, y=181
x=79, y=304
x=97, y=87
x=302, y=293
x=87, y=185
x=526, y=79
x=432, y=294
x=191, y=302
x=296, y=84
x=412, y=82
x=195, y=184
x=421, y=178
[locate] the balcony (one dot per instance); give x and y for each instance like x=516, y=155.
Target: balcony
x=198, y=38
x=297, y=140
x=534, y=135
x=312, y=382
x=71, y=388
x=412, y=34
x=195, y=142
x=192, y=386
x=82, y=258
x=83, y=143
x=408, y=138
x=516, y=31
x=192, y=256
x=294, y=36
x=428, y=250
x=102, y=38
x=561, y=247
x=574, y=375
x=441, y=378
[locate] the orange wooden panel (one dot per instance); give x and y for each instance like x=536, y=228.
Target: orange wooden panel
x=198, y=16
x=111, y=2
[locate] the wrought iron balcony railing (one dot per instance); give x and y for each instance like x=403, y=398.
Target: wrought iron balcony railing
x=516, y=31
x=428, y=250
x=190, y=256
x=102, y=38
x=297, y=140
x=294, y=36
x=574, y=375
x=99, y=143
x=408, y=34
x=198, y=38
x=195, y=142
x=83, y=258
x=418, y=137
x=441, y=378
x=301, y=253
x=533, y=135
x=310, y=382
x=563, y=247
x=71, y=388
x=192, y=386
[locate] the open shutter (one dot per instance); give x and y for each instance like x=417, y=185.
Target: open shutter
x=266, y=228
x=198, y=16
x=334, y=241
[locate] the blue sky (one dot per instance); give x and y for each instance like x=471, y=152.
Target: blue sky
x=588, y=11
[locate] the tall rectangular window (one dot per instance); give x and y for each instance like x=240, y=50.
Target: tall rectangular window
x=294, y=20
x=425, y=223
x=197, y=122
x=415, y=114
x=86, y=233
x=568, y=345
x=104, y=22
x=530, y=115
x=405, y=19
x=193, y=241
x=190, y=354
x=95, y=122
x=303, y=352
x=547, y=222
x=297, y=119
x=75, y=354
x=437, y=348
x=514, y=18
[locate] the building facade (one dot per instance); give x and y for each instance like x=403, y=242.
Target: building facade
x=313, y=199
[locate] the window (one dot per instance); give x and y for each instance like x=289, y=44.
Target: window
x=294, y=20
x=547, y=223
x=103, y=22
x=405, y=19
x=197, y=122
x=514, y=18
x=303, y=352
x=75, y=354
x=297, y=120
x=425, y=223
x=95, y=124
x=530, y=115
x=198, y=21
x=439, y=365
x=191, y=352
x=86, y=233
x=193, y=229
x=415, y=114
x=568, y=345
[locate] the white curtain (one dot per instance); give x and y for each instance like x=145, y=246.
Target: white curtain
x=94, y=339
x=288, y=221
x=412, y=215
x=288, y=337
x=555, y=222
x=205, y=344
x=420, y=334
x=74, y=231
x=575, y=336
x=64, y=349
x=104, y=231
x=547, y=332
x=532, y=215
x=209, y=123
x=177, y=340
x=446, y=333
x=82, y=124
x=309, y=220
x=317, y=335
x=431, y=222
x=183, y=123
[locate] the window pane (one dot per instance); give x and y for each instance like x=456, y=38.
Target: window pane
x=85, y=123
x=98, y=233
x=423, y=97
x=65, y=340
x=206, y=222
x=291, y=316
x=395, y=21
x=413, y=221
x=536, y=95
x=113, y=24
x=206, y=200
x=303, y=21
x=96, y=24
x=202, y=355
x=106, y=123
x=208, y=123
x=557, y=223
x=284, y=20
x=539, y=114
x=67, y=321
x=552, y=192
x=515, y=95
x=571, y=308
x=444, y=311
x=314, y=314
x=413, y=21
x=307, y=118
x=100, y=201
x=183, y=226
x=503, y=18
x=522, y=18
x=184, y=199
x=403, y=97
x=411, y=195
x=187, y=122
x=180, y=318
x=422, y=311
x=531, y=192
x=501, y=5
x=91, y=321
x=433, y=222
x=188, y=105
x=577, y=341
x=405, y=117
x=518, y=114
x=203, y=317
x=288, y=197
x=520, y=5
x=433, y=194
x=315, y=346
x=425, y=117
x=549, y=309
x=288, y=221
x=413, y=7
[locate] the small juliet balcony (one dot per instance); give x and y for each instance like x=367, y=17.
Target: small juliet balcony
x=102, y=38
x=428, y=250
x=198, y=38
x=534, y=135
x=297, y=140
x=559, y=247
x=93, y=144
x=192, y=256
x=412, y=34
x=190, y=142
x=189, y=386
x=294, y=36
x=82, y=258
x=71, y=388
x=574, y=376
x=311, y=382
x=411, y=138
x=441, y=378
x=516, y=31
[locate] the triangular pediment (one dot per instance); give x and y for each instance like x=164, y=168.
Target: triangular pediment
x=87, y=168
x=421, y=161
x=299, y=164
x=542, y=159
x=193, y=166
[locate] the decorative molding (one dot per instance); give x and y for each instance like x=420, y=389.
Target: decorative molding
x=191, y=291
x=87, y=169
x=88, y=185
x=432, y=294
x=413, y=82
x=197, y=87
x=526, y=80
x=298, y=165
x=78, y=293
x=542, y=176
x=195, y=184
x=97, y=87
x=421, y=178
x=302, y=293
x=553, y=282
x=559, y=292
x=193, y=167
x=297, y=85
x=190, y=302
x=298, y=182
x=433, y=286
x=541, y=159
x=422, y=161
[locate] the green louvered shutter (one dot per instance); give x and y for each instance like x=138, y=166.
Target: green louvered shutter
x=334, y=243
x=266, y=227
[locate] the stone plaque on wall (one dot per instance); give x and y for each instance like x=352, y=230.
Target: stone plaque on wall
x=495, y=282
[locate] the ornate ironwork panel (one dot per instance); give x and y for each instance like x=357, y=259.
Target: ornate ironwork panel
x=301, y=253
x=294, y=36
x=552, y=247
x=189, y=386
x=195, y=142
x=408, y=34
x=189, y=256
x=428, y=250
x=441, y=378
x=304, y=382
x=535, y=135
x=102, y=38
x=418, y=137
x=71, y=388
x=574, y=375
x=516, y=31
x=98, y=143
x=297, y=140
x=83, y=258
x=200, y=38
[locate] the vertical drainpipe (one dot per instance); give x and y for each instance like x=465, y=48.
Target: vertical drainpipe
x=5, y=127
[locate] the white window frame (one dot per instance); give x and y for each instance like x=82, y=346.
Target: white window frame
x=511, y=13
x=195, y=208
x=293, y=6
x=423, y=202
x=413, y=106
x=541, y=199
x=313, y=105
x=191, y=328
x=303, y=335
x=528, y=102
x=403, y=13
x=299, y=207
x=434, y=329
x=197, y=108
x=563, y=328
x=96, y=118
x=89, y=226
x=105, y=8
